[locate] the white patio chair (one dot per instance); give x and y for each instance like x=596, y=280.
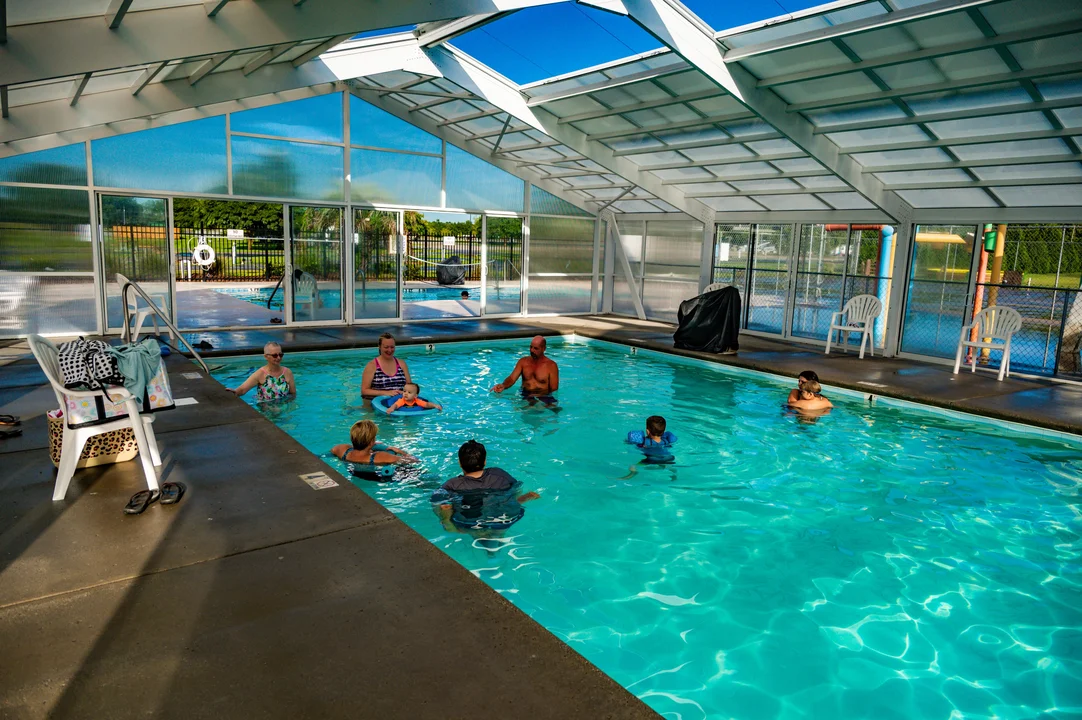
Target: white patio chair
x=74, y=439
x=714, y=286
x=993, y=323
x=132, y=309
x=305, y=291
x=857, y=316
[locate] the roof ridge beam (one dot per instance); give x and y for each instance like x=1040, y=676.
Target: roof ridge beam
x=474, y=77
x=667, y=21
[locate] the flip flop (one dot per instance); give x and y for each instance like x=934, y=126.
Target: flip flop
x=9, y=420
x=172, y=492
x=140, y=501
x=5, y=434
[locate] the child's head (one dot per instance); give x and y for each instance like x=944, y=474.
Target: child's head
x=363, y=434
x=465, y=294
x=471, y=456
x=806, y=377
x=655, y=426
x=811, y=388
x=410, y=391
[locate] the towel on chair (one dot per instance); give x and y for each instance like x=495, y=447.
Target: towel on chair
x=138, y=364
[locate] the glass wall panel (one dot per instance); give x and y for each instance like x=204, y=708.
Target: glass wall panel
x=820, y=278
x=57, y=166
x=315, y=236
x=1036, y=270
x=375, y=264
x=673, y=249
x=474, y=184
x=503, y=287
x=769, y=277
x=732, y=249
x=871, y=263
x=378, y=177
x=188, y=157
x=561, y=264
x=442, y=265
x=661, y=298
x=45, y=304
x=371, y=127
x=243, y=286
x=317, y=118
x=135, y=243
x=45, y=230
x=280, y=169
x=938, y=289
x=46, y=262
x=544, y=202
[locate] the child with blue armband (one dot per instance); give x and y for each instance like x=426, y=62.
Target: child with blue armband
x=655, y=442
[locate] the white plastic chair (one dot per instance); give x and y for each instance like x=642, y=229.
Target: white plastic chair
x=132, y=309
x=74, y=439
x=857, y=316
x=714, y=286
x=993, y=323
x=304, y=293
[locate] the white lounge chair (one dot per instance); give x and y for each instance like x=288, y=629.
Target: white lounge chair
x=132, y=309
x=992, y=324
x=305, y=291
x=75, y=438
x=857, y=316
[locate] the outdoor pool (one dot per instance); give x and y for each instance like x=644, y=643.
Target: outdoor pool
x=333, y=298
x=885, y=561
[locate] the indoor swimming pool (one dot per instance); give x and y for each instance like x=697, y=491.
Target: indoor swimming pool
x=883, y=561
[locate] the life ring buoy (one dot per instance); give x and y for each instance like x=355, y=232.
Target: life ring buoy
x=384, y=403
x=203, y=255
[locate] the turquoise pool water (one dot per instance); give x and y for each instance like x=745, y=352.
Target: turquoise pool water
x=883, y=562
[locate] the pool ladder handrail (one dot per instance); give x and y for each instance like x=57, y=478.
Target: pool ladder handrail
x=280, y=280
x=176, y=333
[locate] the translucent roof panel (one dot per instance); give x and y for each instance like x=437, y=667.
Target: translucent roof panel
x=715, y=14
x=962, y=197
x=550, y=40
x=1044, y=196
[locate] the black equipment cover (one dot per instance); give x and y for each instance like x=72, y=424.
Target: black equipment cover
x=710, y=322
x=450, y=271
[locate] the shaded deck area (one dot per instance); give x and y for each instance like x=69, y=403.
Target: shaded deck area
x=258, y=596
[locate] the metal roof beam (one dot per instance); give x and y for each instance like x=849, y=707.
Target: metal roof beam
x=167, y=33
x=429, y=125
x=949, y=85
x=607, y=83
x=1001, y=182
x=716, y=142
x=791, y=155
x=493, y=88
x=114, y=14
x=213, y=7
x=653, y=104
x=972, y=140
x=696, y=123
x=921, y=12
x=208, y=66
x=77, y=89
x=4, y=103
x=750, y=176
x=970, y=114
x=47, y=124
x=925, y=54
x=266, y=57
x=147, y=75
x=976, y=162
x=320, y=49
x=674, y=25
x=434, y=33
x=474, y=116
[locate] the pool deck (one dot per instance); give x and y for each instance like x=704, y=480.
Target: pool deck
x=258, y=596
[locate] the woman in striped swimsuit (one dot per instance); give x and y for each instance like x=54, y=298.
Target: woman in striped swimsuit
x=386, y=374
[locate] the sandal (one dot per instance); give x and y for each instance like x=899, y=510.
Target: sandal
x=172, y=492
x=9, y=420
x=140, y=501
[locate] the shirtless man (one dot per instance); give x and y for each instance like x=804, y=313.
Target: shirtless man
x=540, y=376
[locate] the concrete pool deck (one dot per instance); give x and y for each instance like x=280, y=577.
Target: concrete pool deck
x=256, y=596
x=259, y=596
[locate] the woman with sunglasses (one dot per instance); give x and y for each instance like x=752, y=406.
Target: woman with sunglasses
x=272, y=381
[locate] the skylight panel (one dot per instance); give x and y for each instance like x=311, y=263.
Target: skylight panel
x=542, y=42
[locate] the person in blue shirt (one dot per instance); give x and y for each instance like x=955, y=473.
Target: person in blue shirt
x=481, y=498
x=656, y=442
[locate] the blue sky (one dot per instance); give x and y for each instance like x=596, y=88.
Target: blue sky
x=541, y=42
